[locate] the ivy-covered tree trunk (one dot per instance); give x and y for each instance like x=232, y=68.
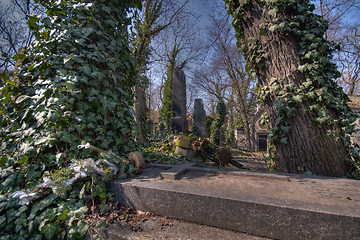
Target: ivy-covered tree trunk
x=217, y=125
x=241, y=100
x=166, y=111
x=146, y=29
x=140, y=114
x=77, y=81
x=73, y=85
x=284, y=46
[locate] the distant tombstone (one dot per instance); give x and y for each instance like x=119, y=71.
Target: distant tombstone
x=199, y=118
x=179, y=102
x=240, y=137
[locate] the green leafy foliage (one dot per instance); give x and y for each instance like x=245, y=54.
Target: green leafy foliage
x=217, y=131
x=70, y=87
x=166, y=110
x=162, y=150
x=73, y=85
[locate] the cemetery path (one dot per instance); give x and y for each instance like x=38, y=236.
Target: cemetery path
x=170, y=229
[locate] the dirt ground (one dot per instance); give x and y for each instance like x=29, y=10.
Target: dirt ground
x=126, y=224
x=157, y=227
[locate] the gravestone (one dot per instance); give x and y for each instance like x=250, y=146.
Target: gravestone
x=179, y=122
x=184, y=146
x=274, y=205
x=240, y=137
x=199, y=118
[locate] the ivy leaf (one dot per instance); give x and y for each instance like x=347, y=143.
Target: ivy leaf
x=311, y=95
x=2, y=219
x=82, y=191
x=87, y=31
x=32, y=21
x=302, y=68
x=262, y=32
x=79, y=212
x=3, y=160
x=290, y=112
x=282, y=25
x=51, y=230
x=85, y=69
x=82, y=228
x=18, y=57
x=273, y=28
x=104, y=208
x=273, y=12
x=22, y=98
x=47, y=21
x=63, y=215
x=247, y=67
x=137, y=4
x=33, y=174
x=43, y=140
x=286, y=129
x=297, y=98
x=38, y=206
x=10, y=215
x=321, y=120
x=307, y=84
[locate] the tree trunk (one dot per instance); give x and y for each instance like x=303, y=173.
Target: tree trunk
x=352, y=85
x=241, y=102
x=140, y=114
x=308, y=146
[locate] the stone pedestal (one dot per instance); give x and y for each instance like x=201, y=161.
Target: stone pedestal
x=184, y=146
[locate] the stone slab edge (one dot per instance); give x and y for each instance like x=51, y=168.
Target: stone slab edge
x=252, y=216
x=175, y=172
x=244, y=172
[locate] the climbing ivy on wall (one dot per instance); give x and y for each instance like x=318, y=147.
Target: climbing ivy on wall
x=327, y=102
x=73, y=86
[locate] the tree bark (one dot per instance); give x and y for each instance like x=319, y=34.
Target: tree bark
x=140, y=114
x=242, y=104
x=308, y=147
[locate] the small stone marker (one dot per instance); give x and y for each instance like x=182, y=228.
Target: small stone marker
x=138, y=160
x=179, y=122
x=175, y=172
x=184, y=146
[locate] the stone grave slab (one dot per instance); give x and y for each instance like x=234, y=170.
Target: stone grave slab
x=274, y=205
x=174, y=172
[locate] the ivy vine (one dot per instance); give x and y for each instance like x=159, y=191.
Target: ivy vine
x=326, y=97
x=166, y=111
x=217, y=131
x=73, y=85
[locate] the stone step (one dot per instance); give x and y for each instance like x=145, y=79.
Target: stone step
x=281, y=206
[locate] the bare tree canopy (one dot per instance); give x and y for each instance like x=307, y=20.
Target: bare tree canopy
x=343, y=17
x=14, y=31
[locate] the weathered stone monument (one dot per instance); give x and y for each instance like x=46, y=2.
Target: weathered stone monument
x=199, y=118
x=273, y=205
x=179, y=122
